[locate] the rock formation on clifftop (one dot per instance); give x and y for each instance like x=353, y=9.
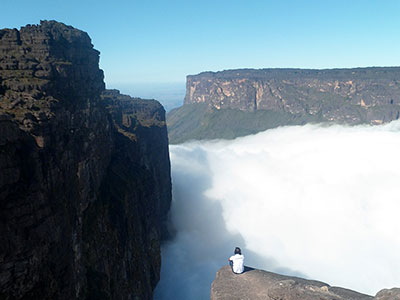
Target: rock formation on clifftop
x=234, y=103
x=258, y=284
x=85, y=177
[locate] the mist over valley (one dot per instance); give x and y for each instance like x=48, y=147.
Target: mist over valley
x=140, y=145
x=313, y=201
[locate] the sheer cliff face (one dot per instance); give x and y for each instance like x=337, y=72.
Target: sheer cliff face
x=85, y=184
x=365, y=95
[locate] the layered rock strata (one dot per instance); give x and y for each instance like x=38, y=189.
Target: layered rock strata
x=353, y=96
x=258, y=284
x=235, y=103
x=85, y=179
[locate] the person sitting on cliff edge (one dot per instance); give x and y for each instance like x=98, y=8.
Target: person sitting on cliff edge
x=237, y=261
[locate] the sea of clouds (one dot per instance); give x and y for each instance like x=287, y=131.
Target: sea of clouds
x=321, y=202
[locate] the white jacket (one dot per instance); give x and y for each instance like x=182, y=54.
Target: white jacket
x=238, y=263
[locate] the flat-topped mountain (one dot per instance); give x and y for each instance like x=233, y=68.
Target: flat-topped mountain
x=256, y=284
x=234, y=103
x=85, y=174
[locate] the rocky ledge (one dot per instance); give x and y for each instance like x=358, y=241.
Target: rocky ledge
x=85, y=174
x=256, y=284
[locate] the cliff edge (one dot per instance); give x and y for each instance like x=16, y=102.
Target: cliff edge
x=258, y=284
x=85, y=174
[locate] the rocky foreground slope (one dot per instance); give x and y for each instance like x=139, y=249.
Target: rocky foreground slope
x=85, y=174
x=258, y=284
x=234, y=103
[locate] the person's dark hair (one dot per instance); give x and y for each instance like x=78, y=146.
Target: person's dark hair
x=238, y=251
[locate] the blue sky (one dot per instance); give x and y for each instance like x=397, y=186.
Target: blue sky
x=163, y=41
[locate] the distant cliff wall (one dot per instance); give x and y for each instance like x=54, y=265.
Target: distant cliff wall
x=234, y=103
x=85, y=179
x=353, y=96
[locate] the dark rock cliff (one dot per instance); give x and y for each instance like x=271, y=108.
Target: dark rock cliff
x=248, y=101
x=85, y=178
x=258, y=284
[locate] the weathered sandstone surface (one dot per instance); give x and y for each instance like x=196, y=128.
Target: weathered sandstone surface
x=234, y=103
x=85, y=174
x=256, y=284
x=369, y=95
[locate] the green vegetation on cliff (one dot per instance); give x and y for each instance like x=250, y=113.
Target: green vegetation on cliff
x=234, y=103
x=198, y=122
x=85, y=183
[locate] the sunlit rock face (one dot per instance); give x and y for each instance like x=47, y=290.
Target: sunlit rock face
x=258, y=284
x=349, y=95
x=84, y=182
x=234, y=103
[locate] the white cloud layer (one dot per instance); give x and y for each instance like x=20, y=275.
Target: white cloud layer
x=312, y=201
